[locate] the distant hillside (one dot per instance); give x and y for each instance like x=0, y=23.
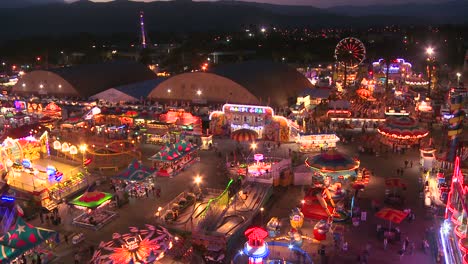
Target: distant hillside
x=173, y=16
x=452, y=12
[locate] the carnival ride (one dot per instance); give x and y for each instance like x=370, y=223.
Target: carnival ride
x=332, y=163
x=401, y=131
x=349, y=53
x=147, y=245
x=214, y=216
x=318, y=204
x=115, y=154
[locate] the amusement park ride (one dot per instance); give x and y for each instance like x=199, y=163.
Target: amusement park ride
x=349, y=54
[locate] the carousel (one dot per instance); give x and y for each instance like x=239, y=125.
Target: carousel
x=333, y=164
x=147, y=245
x=401, y=131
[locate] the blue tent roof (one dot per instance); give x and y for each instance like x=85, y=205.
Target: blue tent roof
x=140, y=89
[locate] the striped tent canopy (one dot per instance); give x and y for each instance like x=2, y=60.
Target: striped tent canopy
x=332, y=161
x=402, y=128
x=244, y=135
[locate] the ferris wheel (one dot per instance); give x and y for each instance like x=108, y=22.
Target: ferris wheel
x=350, y=52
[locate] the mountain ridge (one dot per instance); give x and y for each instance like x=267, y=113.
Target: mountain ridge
x=181, y=16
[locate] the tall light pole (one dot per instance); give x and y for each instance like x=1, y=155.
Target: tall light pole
x=253, y=147
x=430, y=58
x=83, y=152
x=198, y=180
x=261, y=215
x=458, y=78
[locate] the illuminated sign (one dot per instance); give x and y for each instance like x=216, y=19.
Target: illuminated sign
x=252, y=109
x=245, y=126
x=26, y=163
x=8, y=198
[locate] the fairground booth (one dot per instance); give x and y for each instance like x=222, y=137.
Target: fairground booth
x=401, y=131
x=137, y=178
x=94, y=205
x=453, y=231
x=424, y=110
x=260, y=119
x=311, y=143
x=24, y=239
x=172, y=158
x=166, y=127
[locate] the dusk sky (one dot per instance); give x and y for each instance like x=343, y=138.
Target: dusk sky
x=320, y=3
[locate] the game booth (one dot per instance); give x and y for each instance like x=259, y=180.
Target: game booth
x=138, y=178
x=401, y=131
x=24, y=239
x=94, y=204
x=141, y=245
x=172, y=158
x=311, y=143
x=261, y=119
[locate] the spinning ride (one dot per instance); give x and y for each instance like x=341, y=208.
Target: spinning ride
x=139, y=246
x=333, y=163
x=401, y=131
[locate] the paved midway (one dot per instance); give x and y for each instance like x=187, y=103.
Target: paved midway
x=141, y=211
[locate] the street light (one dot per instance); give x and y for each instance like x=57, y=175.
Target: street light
x=430, y=53
x=198, y=180
x=83, y=151
x=261, y=215
x=199, y=92
x=458, y=77
x=253, y=146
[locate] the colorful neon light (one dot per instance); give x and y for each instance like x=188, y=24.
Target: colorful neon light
x=253, y=109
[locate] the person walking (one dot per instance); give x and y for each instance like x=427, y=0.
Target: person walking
x=411, y=248
x=158, y=192
x=411, y=164
x=406, y=243
x=401, y=252
x=385, y=243
x=47, y=218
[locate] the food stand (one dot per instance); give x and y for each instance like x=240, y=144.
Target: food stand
x=310, y=143
x=137, y=178
x=173, y=158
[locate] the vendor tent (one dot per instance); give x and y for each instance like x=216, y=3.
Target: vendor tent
x=173, y=152
x=22, y=237
x=136, y=171
x=391, y=215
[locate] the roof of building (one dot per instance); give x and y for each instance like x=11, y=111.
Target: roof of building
x=322, y=93
x=89, y=79
x=272, y=82
x=140, y=89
